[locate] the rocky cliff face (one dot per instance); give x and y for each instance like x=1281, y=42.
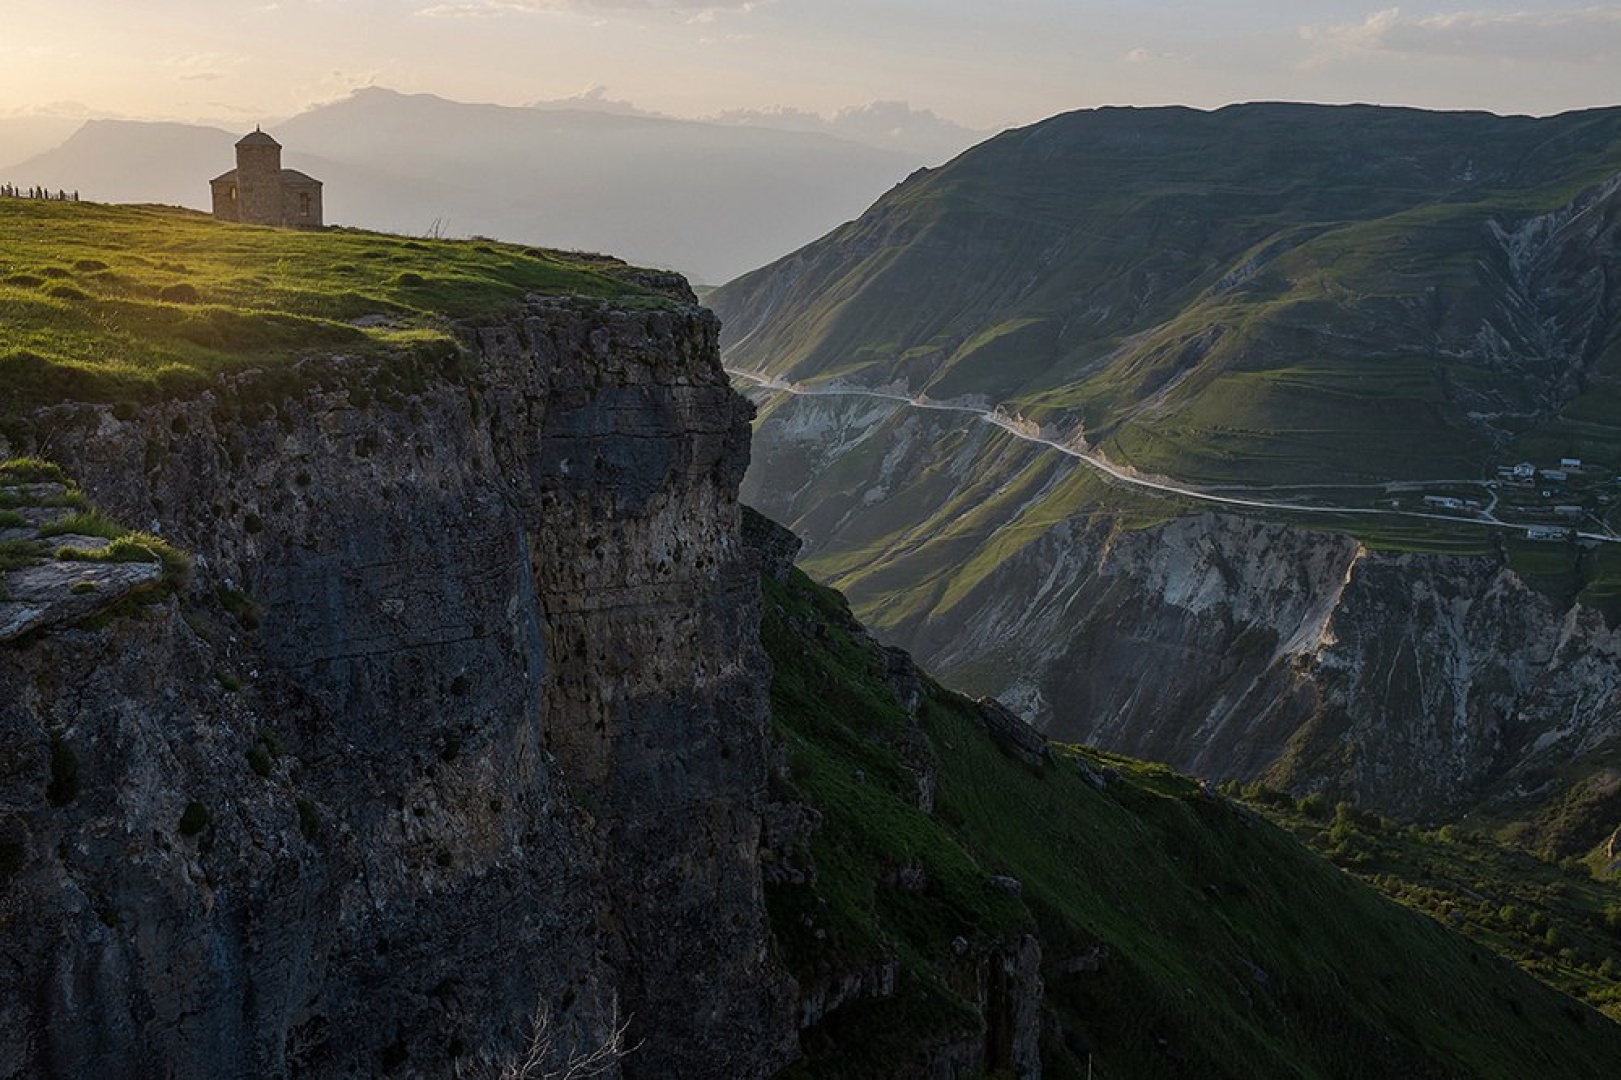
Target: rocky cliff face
x=1422, y=686
x=1418, y=685
x=462, y=715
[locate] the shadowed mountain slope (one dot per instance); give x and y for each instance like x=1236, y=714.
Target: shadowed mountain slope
x=966, y=898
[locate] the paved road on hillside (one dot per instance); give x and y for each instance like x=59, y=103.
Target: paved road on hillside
x=1021, y=430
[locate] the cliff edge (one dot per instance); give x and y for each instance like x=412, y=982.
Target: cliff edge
x=459, y=724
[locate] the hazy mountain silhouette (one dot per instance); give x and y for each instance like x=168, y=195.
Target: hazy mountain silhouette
x=711, y=200
x=883, y=125
x=891, y=125
x=132, y=161
x=24, y=136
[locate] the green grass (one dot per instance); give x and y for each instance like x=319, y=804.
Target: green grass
x=123, y=544
x=1270, y=295
x=108, y=303
x=1553, y=913
x=1182, y=934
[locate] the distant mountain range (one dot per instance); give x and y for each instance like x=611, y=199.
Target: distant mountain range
x=711, y=200
x=21, y=137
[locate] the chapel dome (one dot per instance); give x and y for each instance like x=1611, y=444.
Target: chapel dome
x=257, y=138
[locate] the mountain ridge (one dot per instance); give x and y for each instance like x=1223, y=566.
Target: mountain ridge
x=684, y=194
x=1354, y=307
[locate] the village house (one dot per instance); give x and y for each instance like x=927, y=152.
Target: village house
x=260, y=192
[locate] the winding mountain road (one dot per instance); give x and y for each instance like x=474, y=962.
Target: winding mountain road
x=1021, y=430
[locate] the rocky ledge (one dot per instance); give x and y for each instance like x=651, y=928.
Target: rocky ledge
x=58, y=577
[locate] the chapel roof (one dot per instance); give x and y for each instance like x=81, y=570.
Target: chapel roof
x=257, y=138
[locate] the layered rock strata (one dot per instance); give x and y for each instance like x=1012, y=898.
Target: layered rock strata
x=461, y=722
x=1418, y=685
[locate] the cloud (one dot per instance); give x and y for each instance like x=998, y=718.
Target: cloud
x=695, y=10
x=595, y=98
x=1578, y=35
x=1148, y=56
x=887, y=125
x=204, y=67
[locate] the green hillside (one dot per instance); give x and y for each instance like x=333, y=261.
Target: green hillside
x=1266, y=294
x=1182, y=934
x=123, y=303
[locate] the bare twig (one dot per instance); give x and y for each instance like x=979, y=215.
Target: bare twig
x=543, y=1059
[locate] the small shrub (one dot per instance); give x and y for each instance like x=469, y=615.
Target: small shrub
x=179, y=294
x=1612, y=919
x=64, y=785
x=13, y=854
x=193, y=819
x=240, y=607
x=259, y=759
x=309, y=819
x=13, y=848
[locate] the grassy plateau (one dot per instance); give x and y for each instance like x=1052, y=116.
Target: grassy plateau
x=128, y=303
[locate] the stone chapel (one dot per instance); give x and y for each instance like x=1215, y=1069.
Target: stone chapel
x=260, y=192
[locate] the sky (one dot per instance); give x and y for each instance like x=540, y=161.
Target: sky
x=984, y=64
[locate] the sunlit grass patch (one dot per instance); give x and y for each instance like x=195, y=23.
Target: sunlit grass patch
x=109, y=303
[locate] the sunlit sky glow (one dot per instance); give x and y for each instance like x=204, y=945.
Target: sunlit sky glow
x=983, y=64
